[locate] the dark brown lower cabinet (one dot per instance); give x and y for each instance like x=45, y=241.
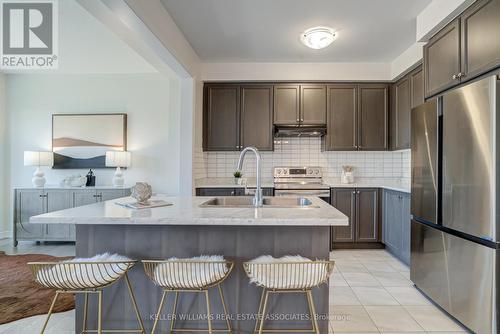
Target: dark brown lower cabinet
x=240, y=191
x=361, y=206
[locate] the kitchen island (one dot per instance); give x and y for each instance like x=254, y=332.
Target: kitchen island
x=188, y=229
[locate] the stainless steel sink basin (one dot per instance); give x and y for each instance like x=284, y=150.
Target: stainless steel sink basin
x=268, y=202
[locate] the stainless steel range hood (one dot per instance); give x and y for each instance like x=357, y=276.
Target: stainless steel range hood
x=299, y=131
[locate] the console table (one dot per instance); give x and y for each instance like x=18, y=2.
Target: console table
x=34, y=201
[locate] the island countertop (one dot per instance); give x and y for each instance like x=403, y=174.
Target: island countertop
x=187, y=211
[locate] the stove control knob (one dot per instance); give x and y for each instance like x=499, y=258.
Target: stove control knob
x=278, y=171
x=285, y=171
x=316, y=172
x=309, y=171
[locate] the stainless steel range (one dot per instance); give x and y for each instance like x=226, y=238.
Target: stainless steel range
x=300, y=181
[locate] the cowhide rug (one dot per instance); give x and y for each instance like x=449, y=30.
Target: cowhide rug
x=20, y=296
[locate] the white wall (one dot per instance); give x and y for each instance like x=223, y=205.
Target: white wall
x=151, y=102
x=4, y=166
x=295, y=71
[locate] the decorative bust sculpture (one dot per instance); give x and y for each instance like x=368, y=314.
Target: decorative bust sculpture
x=142, y=191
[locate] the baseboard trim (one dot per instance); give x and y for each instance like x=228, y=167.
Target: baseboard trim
x=5, y=234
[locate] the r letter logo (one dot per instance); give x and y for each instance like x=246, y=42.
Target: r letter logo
x=29, y=35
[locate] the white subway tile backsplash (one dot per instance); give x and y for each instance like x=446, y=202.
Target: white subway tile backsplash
x=305, y=152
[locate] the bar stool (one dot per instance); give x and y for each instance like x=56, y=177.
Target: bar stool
x=197, y=274
x=86, y=276
x=289, y=274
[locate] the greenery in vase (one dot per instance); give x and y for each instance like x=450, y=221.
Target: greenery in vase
x=237, y=174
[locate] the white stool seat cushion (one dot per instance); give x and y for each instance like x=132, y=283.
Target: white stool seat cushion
x=190, y=273
x=286, y=273
x=73, y=274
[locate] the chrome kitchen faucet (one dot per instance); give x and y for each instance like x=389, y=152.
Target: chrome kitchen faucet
x=257, y=201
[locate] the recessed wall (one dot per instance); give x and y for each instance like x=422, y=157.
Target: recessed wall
x=151, y=102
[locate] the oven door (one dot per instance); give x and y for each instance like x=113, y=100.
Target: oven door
x=324, y=194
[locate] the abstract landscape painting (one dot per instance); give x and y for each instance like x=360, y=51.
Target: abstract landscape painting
x=81, y=140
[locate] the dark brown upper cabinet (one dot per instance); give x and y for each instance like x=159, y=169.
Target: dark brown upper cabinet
x=464, y=49
x=222, y=118
x=442, y=59
x=480, y=26
x=373, y=117
x=357, y=117
x=257, y=116
x=286, y=104
x=299, y=104
x=236, y=116
x=400, y=114
x=406, y=93
x=313, y=104
x=341, y=116
x=417, y=87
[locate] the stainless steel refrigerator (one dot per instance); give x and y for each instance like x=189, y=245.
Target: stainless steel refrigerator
x=455, y=202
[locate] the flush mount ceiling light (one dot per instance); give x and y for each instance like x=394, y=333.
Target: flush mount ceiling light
x=318, y=37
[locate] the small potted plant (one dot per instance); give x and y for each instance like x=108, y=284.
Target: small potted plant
x=237, y=177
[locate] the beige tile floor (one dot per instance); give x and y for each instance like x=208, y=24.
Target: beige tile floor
x=370, y=292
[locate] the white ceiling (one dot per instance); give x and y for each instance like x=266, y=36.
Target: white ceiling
x=268, y=30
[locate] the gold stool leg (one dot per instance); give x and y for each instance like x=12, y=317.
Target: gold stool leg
x=264, y=309
x=313, y=311
x=50, y=312
x=99, y=312
x=260, y=310
x=208, y=312
x=134, y=303
x=174, y=312
x=225, y=308
x=85, y=310
x=159, y=311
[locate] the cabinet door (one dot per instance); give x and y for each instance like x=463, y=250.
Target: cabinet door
x=442, y=59
x=343, y=199
x=215, y=191
x=221, y=118
x=417, y=87
x=57, y=200
x=392, y=219
x=84, y=197
x=367, y=215
x=341, y=118
x=109, y=194
x=313, y=104
x=29, y=203
x=480, y=25
x=286, y=104
x=373, y=117
x=257, y=117
x=405, y=228
x=401, y=113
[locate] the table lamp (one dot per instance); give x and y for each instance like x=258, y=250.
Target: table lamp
x=118, y=159
x=38, y=159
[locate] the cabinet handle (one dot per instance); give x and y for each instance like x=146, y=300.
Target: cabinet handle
x=357, y=192
x=298, y=119
x=232, y=192
x=302, y=120
x=353, y=192
x=460, y=75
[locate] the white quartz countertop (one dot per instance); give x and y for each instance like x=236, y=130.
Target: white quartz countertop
x=222, y=182
x=187, y=211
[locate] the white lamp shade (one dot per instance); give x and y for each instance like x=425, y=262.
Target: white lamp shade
x=118, y=159
x=38, y=158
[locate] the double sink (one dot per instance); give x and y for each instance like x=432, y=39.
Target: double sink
x=268, y=202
